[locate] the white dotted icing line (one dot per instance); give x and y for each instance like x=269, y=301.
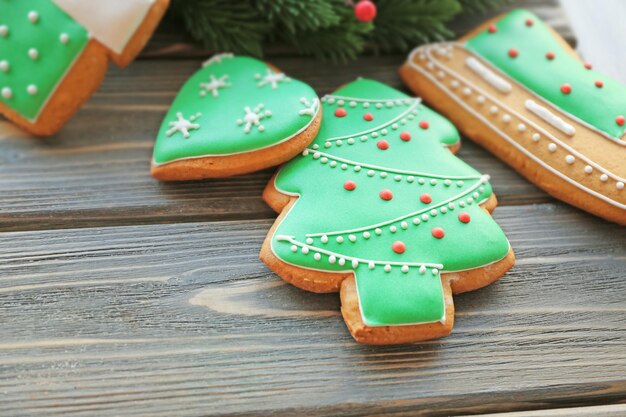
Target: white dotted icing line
x=489, y=76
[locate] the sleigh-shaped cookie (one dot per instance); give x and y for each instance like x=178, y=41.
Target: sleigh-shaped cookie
x=515, y=87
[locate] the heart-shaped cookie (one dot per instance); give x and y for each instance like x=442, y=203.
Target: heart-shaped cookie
x=234, y=115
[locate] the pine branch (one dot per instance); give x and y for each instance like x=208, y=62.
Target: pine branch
x=402, y=24
x=298, y=15
x=224, y=25
x=481, y=6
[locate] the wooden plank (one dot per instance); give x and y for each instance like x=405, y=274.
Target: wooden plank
x=96, y=171
x=183, y=319
x=618, y=410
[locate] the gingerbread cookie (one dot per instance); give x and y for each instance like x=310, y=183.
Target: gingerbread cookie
x=54, y=53
x=234, y=115
x=378, y=208
x=515, y=87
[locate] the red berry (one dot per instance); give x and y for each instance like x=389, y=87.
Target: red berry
x=513, y=53
x=368, y=117
x=386, y=194
x=620, y=120
x=464, y=217
x=398, y=247
x=365, y=11
x=566, y=88
x=349, y=185
x=340, y=112
x=438, y=232
x=426, y=198
x=492, y=29
x=599, y=84
x=529, y=22
x=588, y=65
x=382, y=144
x=550, y=55
x=424, y=124
x=405, y=136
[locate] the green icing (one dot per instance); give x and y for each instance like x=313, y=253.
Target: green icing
x=54, y=56
x=596, y=106
x=326, y=207
x=221, y=125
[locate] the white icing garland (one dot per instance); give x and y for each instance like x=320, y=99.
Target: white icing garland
x=354, y=261
x=426, y=52
x=550, y=117
x=489, y=76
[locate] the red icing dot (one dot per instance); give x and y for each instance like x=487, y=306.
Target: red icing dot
x=599, y=84
x=566, y=88
x=620, y=120
x=398, y=247
x=438, y=232
x=426, y=198
x=349, y=185
x=464, y=217
x=588, y=65
x=424, y=124
x=368, y=116
x=386, y=194
x=382, y=144
x=341, y=112
x=405, y=136
x=492, y=29
x=550, y=55
x=513, y=53
x=529, y=22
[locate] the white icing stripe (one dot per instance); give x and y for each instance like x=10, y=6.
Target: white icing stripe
x=111, y=22
x=479, y=116
x=489, y=76
x=293, y=241
x=550, y=117
x=480, y=182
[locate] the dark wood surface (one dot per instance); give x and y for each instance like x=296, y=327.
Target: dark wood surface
x=123, y=296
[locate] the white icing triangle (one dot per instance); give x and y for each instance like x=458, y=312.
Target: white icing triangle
x=111, y=22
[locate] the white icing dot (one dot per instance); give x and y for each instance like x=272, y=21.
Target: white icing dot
x=467, y=91
x=333, y=164
x=371, y=265
x=342, y=261
x=331, y=100
x=357, y=168
x=493, y=109
x=351, y=141
x=261, y=128
x=339, y=239
x=619, y=185
x=366, y=235
x=379, y=105
x=444, y=209
x=33, y=16
x=404, y=225
x=416, y=221
x=422, y=269
x=294, y=248
x=33, y=53
x=506, y=118
x=370, y=173
x=552, y=147
x=387, y=268
x=398, y=178
x=521, y=127
x=441, y=74
x=462, y=203
x=324, y=239
x=309, y=240
x=475, y=195
x=454, y=84
x=430, y=65
x=447, y=183
x=421, y=181
x=353, y=104
x=536, y=137
x=405, y=268
x=393, y=229
x=340, y=102
x=344, y=166
x=389, y=104
x=425, y=217
x=317, y=256
x=305, y=250
x=480, y=99
x=305, y=152
x=410, y=178
x=339, y=142
x=459, y=183
x=352, y=238
x=588, y=169
x=366, y=105
x=355, y=263
x=451, y=206
x=434, y=212
x=384, y=132
x=378, y=231
x=4, y=30
x=383, y=175
x=374, y=134
x=324, y=160
x=332, y=259
x=7, y=92
x=4, y=66
x=570, y=159
x=394, y=126
x=435, y=271
x=433, y=182
x=31, y=89
x=604, y=177
x=316, y=155
x=328, y=144
x=364, y=138
x=64, y=38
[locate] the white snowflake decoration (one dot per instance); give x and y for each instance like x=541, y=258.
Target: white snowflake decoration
x=183, y=125
x=216, y=59
x=310, y=108
x=272, y=78
x=253, y=118
x=214, y=85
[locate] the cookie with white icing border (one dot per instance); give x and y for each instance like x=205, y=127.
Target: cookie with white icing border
x=235, y=115
x=54, y=53
x=514, y=86
x=379, y=209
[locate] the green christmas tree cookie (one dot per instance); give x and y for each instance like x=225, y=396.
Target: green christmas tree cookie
x=234, y=115
x=379, y=208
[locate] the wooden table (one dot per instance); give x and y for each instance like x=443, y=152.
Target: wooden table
x=120, y=295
